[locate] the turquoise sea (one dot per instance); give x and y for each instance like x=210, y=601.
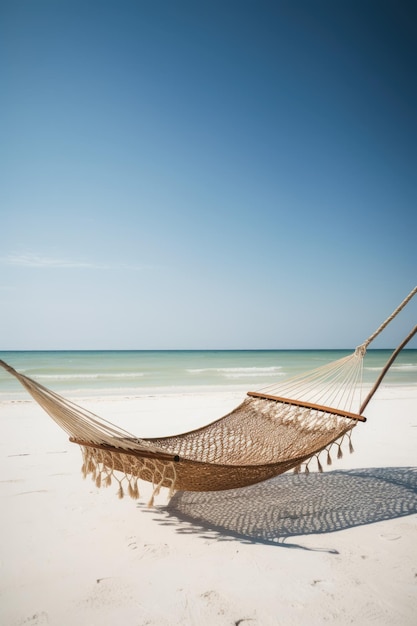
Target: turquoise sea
x=129, y=373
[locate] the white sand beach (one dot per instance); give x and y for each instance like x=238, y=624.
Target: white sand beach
x=338, y=547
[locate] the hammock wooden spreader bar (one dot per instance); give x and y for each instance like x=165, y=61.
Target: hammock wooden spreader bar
x=275, y=429
x=308, y=405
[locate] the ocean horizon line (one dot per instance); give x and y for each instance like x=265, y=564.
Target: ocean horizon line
x=109, y=350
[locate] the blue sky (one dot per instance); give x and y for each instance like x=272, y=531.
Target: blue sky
x=231, y=174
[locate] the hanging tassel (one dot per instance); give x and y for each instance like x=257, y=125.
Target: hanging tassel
x=329, y=458
x=319, y=466
x=172, y=489
x=133, y=490
x=107, y=482
x=136, y=493
x=306, y=471
x=98, y=481
x=120, y=493
x=297, y=469
x=340, y=453
x=151, y=501
x=351, y=450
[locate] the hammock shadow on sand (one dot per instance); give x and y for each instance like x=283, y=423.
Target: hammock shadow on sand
x=294, y=505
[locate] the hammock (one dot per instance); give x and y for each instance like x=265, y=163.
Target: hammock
x=275, y=429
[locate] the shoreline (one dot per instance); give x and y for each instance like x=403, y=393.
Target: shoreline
x=78, y=395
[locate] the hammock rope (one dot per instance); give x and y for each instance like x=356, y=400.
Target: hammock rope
x=389, y=319
x=277, y=428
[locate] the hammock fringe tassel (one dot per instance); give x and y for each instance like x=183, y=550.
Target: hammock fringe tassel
x=346, y=438
x=126, y=470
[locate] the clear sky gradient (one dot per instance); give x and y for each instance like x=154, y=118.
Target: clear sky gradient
x=206, y=174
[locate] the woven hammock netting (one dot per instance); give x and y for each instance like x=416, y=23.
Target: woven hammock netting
x=285, y=426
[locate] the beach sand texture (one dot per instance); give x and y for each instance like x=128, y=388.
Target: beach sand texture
x=338, y=547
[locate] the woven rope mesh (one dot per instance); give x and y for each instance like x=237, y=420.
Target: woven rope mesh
x=259, y=431
x=257, y=440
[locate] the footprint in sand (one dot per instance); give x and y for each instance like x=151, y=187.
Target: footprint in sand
x=390, y=536
x=37, y=619
x=109, y=591
x=213, y=601
x=148, y=550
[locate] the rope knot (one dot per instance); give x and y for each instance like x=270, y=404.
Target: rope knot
x=361, y=350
